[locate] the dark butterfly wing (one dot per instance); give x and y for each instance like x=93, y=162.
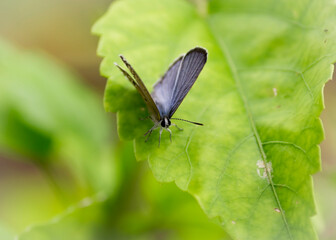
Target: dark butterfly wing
x=170, y=91
x=162, y=91
x=191, y=66
x=153, y=110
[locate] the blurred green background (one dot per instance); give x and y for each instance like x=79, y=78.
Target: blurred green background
x=62, y=167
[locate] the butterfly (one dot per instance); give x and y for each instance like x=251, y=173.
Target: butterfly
x=170, y=90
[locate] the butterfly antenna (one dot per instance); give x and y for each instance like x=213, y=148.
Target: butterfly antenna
x=196, y=123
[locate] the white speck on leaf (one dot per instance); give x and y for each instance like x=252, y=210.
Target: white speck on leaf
x=262, y=170
x=233, y=222
x=277, y=210
x=260, y=164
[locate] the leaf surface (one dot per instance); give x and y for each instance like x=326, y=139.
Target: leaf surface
x=259, y=98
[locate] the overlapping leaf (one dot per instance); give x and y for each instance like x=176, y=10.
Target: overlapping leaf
x=46, y=114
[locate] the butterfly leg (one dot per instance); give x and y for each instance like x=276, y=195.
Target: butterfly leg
x=170, y=134
x=160, y=136
x=173, y=124
x=149, y=132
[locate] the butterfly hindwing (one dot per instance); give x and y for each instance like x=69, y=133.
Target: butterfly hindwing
x=141, y=88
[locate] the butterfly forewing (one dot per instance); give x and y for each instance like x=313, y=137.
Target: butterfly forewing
x=191, y=66
x=170, y=91
x=162, y=92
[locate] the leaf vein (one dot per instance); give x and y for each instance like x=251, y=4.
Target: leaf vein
x=227, y=161
x=271, y=68
x=288, y=143
x=236, y=78
x=189, y=160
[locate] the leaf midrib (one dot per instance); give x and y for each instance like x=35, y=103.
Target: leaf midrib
x=233, y=69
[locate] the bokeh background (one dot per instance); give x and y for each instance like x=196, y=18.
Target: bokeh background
x=56, y=101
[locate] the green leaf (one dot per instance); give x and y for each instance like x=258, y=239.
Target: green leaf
x=47, y=115
x=143, y=209
x=259, y=97
x=78, y=222
x=28, y=198
x=146, y=209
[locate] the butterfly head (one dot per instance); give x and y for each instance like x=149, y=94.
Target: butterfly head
x=165, y=122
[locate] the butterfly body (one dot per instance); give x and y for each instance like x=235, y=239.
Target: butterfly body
x=169, y=92
x=165, y=122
